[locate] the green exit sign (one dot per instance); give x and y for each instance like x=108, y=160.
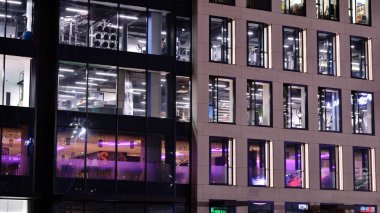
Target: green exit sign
x=218, y=210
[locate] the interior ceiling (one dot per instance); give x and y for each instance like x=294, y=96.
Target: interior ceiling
x=13, y=66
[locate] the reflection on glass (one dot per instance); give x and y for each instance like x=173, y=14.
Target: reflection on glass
x=17, y=78
x=257, y=44
x=157, y=30
x=326, y=54
x=158, y=160
x=295, y=111
x=292, y=49
x=221, y=160
x=294, y=7
x=183, y=39
x=362, y=112
x=258, y=169
x=72, y=96
x=132, y=29
x=328, y=166
x=132, y=91
x=359, y=58
x=328, y=9
x=259, y=103
x=183, y=98
x=294, y=165
x=329, y=109
x=360, y=11
x=182, y=154
x=157, y=94
x=103, y=25
x=362, y=169
x=18, y=16
x=70, y=152
x=101, y=83
x=100, y=155
x=296, y=207
x=16, y=151
x=221, y=100
x=260, y=207
x=260, y=4
x=130, y=158
x=73, y=23
x=221, y=40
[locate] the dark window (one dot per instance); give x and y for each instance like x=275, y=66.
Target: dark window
x=362, y=112
x=329, y=109
x=329, y=166
x=257, y=36
x=16, y=19
x=260, y=4
x=327, y=53
x=259, y=100
x=295, y=106
x=327, y=208
x=293, y=49
x=294, y=165
x=159, y=167
x=183, y=39
x=260, y=207
x=227, y=2
x=258, y=163
x=360, y=11
x=183, y=86
x=362, y=169
x=328, y=9
x=365, y=209
x=359, y=58
x=221, y=161
x=221, y=40
x=221, y=100
x=294, y=7
x=296, y=207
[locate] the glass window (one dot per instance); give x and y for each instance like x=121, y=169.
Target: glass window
x=327, y=208
x=294, y=7
x=293, y=49
x=183, y=85
x=221, y=40
x=132, y=91
x=359, y=58
x=328, y=9
x=14, y=206
x=71, y=152
x=18, y=17
x=73, y=23
x=329, y=166
x=158, y=94
x=228, y=2
x=157, y=30
x=260, y=207
x=101, y=83
x=182, y=154
x=221, y=161
x=365, y=209
x=329, y=109
x=326, y=53
x=16, y=80
x=258, y=163
x=221, y=100
x=132, y=29
x=72, y=96
x=259, y=100
x=295, y=110
x=183, y=39
x=296, y=207
x=158, y=160
x=103, y=25
x=257, y=35
x=16, y=151
x=294, y=165
x=362, y=112
x=130, y=157
x=100, y=155
x=260, y=4
x=362, y=169
x=360, y=11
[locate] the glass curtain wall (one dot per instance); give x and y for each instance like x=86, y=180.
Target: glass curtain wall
x=295, y=106
x=182, y=162
x=362, y=112
x=183, y=39
x=183, y=85
x=221, y=100
x=294, y=165
x=16, y=18
x=293, y=49
x=259, y=100
x=329, y=109
x=327, y=53
x=257, y=37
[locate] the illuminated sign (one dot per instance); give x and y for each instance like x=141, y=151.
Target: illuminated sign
x=218, y=210
x=303, y=206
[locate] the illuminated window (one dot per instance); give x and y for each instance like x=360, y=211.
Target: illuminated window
x=360, y=11
x=329, y=166
x=16, y=19
x=182, y=168
x=329, y=111
x=294, y=7
x=259, y=99
x=328, y=9
x=258, y=162
x=327, y=54
x=295, y=110
x=14, y=206
x=360, y=58
x=183, y=86
x=362, y=168
x=222, y=161
x=221, y=100
x=293, y=49
x=221, y=40
x=183, y=39
x=365, y=209
x=257, y=37
x=362, y=114
x=294, y=165
x=296, y=207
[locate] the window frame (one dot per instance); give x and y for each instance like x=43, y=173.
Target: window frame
x=251, y=5
x=370, y=179
x=303, y=164
x=367, y=57
x=306, y=106
x=215, y=78
x=267, y=161
x=372, y=113
x=340, y=108
x=335, y=52
x=301, y=51
x=233, y=3
x=249, y=82
x=322, y=17
x=266, y=43
x=337, y=166
x=352, y=18
x=230, y=52
x=226, y=140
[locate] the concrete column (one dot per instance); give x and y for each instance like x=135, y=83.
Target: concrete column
x=154, y=102
x=154, y=32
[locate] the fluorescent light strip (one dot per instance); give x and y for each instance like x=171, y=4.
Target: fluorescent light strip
x=98, y=79
x=141, y=41
x=3, y=16
x=128, y=17
x=84, y=83
x=106, y=74
x=12, y=2
x=76, y=10
x=66, y=70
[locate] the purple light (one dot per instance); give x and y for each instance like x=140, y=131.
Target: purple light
x=121, y=143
